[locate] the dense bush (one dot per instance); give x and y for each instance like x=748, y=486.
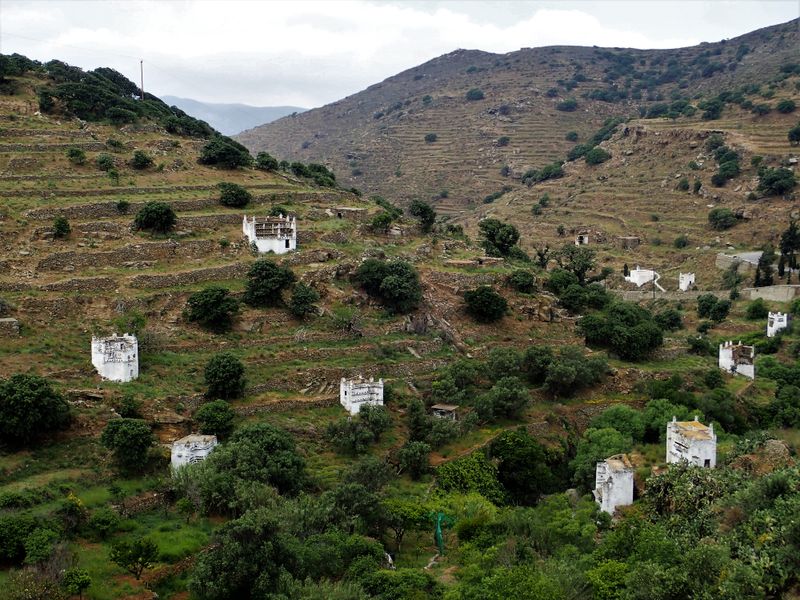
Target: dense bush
x=475, y=94
x=141, y=160
x=721, y=218
x=787, y=105
x=155, y=216
x=498, y=238
x=485, y=305
x=775, y=182
x=215, y=418
x=212, y=307
x=395, y=283
x=568, y=105
x=130, y=441
x=29, y=409
x=265, y=281
x=430, y=138
x=626, y=328
x=266, y=162
x=424, y=212
x=757, y=310
x=76, y=156
x=224, y=376
x=303, y=301
x=522, y=281
x=224, y=152
x=61, y=228
x=233, y=195
x=595, y=156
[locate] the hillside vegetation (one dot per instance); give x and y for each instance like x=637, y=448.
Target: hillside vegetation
x=110, y=225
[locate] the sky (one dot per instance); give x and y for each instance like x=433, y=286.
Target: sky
x=310, y=53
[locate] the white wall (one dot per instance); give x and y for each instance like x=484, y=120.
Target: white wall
x=189, y=451
x=353, y=394
x=613, y=488
x=116, y=357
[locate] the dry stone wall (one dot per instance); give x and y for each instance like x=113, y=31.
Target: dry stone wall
x=234, y=271
x=146, y=251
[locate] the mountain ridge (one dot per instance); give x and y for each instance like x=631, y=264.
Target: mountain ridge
x=231, y=117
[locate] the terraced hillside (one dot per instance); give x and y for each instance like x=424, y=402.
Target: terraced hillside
x=376, y=139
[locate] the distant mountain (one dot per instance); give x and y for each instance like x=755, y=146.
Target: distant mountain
x=231, y=118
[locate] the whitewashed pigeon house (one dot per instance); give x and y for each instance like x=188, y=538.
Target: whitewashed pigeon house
x=685, y=281
x=271, y=234
x=613, y=483
x=776, y=322
x=738, y=359
x=692, y=442
x=192, y=449
x=355, y=393
x=116, y=357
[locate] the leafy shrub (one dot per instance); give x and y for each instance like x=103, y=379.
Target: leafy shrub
x=595, y=156
x=424, y=212
x=396, y=283
x=233, y=195
x=786, y=106
x=141, y=160
x=571, y=136
x=129, y=440
x=431, y=137
x=61, y=228
x=303, y=301
x=225, y=152
x=475, y=94
x=775, y=182
x=503, y=141
x=721, y=218
x=29, y=408
x=224, y=376
x=265, y=281
x=266, y=162
x=682, y=241
x=76, y=156
x=522, y=281
x=498, y=238
x=212, y=307
x=120, y=116
x=568, y=105
x=215, y=418
x=485, y=305
x=757, y=310
x=104, y=162
x=155, y=216
x=626, y=328
x=683, y=184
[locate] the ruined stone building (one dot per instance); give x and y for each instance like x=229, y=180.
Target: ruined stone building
x=693, y=442
x=444, y=411
x=776, y=322
x=271, y=234
x=685, y=281
x=192, y=449
x=613, y=483
x=738, y=359
x=355, y=393
x=116, y=357
x=582, y=238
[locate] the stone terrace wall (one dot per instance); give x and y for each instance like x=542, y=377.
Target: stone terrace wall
x=233, y=271
x=133, y=190
x=775, y=293
x=133, y=252
x=86, y=284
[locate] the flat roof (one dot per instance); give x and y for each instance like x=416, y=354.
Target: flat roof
x=449, y=407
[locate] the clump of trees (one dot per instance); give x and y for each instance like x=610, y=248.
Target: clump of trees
x=627, y=329
x=499, y=238
x=319, y=174
x=233, y=195
x=354, y=436
x=776, y=182
x=156, y=217
x=721, y=218
x=212, y=307
x=130, y=441
x=222, y=151
x=424, y=213
x=395, y=283
x=29, y=409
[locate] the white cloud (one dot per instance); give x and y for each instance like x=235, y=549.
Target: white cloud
x=313, y=52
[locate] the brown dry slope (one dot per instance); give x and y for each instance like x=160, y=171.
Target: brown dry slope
x=375, y=139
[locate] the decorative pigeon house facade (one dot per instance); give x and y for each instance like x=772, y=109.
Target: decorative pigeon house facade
x=355, y=393
x=776, y=322
x=192, y=449
x=271, y=234
x=737, y=359
x=613, y=483
x=693, y=442
x=116, y=357
x=685, y=281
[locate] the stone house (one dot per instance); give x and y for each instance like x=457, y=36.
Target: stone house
x=693, y=442
x=355, y=393
x=271, y=234
x=613, y=483
x=116, y=357
x=776, y=322
x=192, y=449
x=737, y=359
x=444, y=411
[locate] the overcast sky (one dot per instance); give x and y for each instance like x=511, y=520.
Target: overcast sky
x=310, y=53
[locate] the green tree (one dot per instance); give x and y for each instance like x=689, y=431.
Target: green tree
x=628, y=421
x=375, y=418
x=396, y=283
x=233, y=195
x=29, y=408
x=266, y=162
x=212, y=307
x=39, y=545
x=794, y=135
x=424, y=212
x=596, y=445
x=790, y=243
x=404, y=515
x=265, y=281
x=757, y=310
x=76, y=156
x=141, y=160
x=104, y=162
x=61, y=228
x=522, y=281
x=226, y=153
x=303, y=301
x=130, y=441
x=474, y=94
x=134, y=555
x=578, y=260
x=776, y=182
x=522, y=466
x=413, y=458
x=350, y=436
x=595, y=156
x=76, y=581
x=381, y=222
x=626, y=328
x=485, y=305
x=215, y=418
x=155, y=216
x=499, y=237
x=786, y=106
x=506, y=399
x=224, y=376
x=721, y=218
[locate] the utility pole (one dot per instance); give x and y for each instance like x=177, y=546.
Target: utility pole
x=141, y=75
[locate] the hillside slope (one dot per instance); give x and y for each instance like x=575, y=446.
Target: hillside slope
x=376, y=139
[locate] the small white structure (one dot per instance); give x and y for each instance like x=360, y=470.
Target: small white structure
x=444, y=411
x=355, y=393
x=693, y=442
x=738, y=359
x=776, y=322
x=192, y=449
x=116, y=357
x=640, y=276
x=613, y=485
x=582, y=238
x=271, y=234
x=685, y=281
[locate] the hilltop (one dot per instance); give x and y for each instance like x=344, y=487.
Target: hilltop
x=376, y=139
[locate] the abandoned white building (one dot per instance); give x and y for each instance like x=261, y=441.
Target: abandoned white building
x=582, y=238
x=738, y=359
x=693, y=442
x=355, y=393
x=641, y=276
x=116, y=357
x=192, y=449
x=271, y=234
x=685, y=281
x=444, y=411
x=613, y=485
x=776, y=322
